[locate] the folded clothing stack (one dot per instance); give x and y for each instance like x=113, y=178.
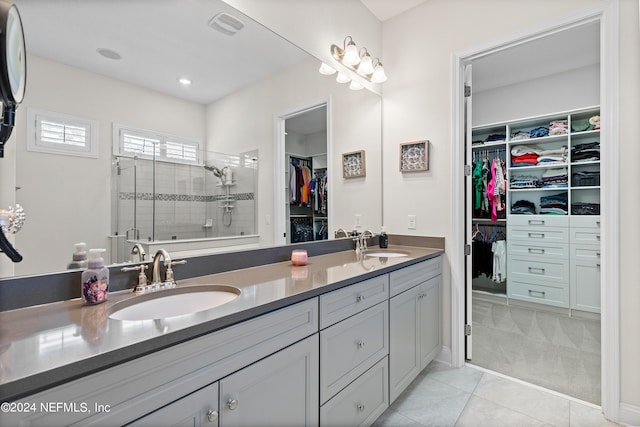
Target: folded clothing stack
x=524, y=181
x=558, y=127
x=581, y=125
x=579, y=208
x=523, y=207
x=531, y=155
x=588, y=152
x=555, y=178
x=519, y=135
x=555, y=204
x=539, y=132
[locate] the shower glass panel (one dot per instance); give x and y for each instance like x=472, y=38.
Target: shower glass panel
x=159, y=200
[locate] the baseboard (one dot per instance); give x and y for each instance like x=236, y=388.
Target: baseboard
x=629, y=414
x=444, y=356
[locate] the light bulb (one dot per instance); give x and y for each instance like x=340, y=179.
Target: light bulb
x=341, y=78
x=355, y=85
x=378, y=74
x=351, y=56
x=326, y=70
x=366, y=65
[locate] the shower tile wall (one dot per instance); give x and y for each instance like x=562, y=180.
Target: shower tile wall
x=186, y=199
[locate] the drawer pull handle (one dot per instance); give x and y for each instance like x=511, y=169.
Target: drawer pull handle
x=536, y=270
x=360, y=298
x=360, y=407
x=598, y=265
x=212, y=416
x=360, y=344
x=536, y=251
x=598, y=223
x=598, y=236
x=536, y=222
x=421, y=296
x=536, y=235
x=537, y=294
x=232, y=404
x=598, y=254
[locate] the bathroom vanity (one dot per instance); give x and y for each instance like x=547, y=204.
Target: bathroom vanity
x=329, y=343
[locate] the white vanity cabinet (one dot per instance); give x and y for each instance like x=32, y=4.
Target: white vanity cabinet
x=414, y=310
x=353, y=353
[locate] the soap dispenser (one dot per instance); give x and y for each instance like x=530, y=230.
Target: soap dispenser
x=79, y=258
x=383, y=241
x=95, y=279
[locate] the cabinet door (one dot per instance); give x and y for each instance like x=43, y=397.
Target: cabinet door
x=200, y=408
x=280, y=390
x=585, y=285
x=429, y=325
x=404, y=341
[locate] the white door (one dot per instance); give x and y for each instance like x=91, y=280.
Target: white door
x=468, y=210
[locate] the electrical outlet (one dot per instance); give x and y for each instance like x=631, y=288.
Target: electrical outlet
x=358, y=220
x=411, y=225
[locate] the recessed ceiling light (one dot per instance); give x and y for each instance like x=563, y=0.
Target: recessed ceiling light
x=185, y=81
x=226, y=24
x=108, y=53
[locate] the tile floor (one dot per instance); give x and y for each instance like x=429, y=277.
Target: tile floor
x=470, y=396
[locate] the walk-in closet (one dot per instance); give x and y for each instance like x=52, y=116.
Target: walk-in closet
x=534, y=231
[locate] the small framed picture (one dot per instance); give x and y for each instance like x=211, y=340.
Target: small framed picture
x=414, y=156
x=354, y=165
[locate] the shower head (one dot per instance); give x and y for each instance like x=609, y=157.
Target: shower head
x=217, y=172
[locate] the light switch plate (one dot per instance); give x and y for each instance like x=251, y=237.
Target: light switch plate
x=411, y=225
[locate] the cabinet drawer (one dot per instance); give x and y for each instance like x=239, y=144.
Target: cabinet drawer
x=408, y=277
x=555, y=273
x=539, y=221
x=585, y=221
x=585, y=235
x=361, y=402
x=538, y=293
x=538, y=234
x=342, y=303
x=549, y=250
x=349, y=348
x=585, y=252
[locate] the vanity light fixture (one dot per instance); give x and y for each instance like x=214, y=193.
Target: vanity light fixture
x=341, y=78
x=357, y=61
x=326, y=70
x=355, y=85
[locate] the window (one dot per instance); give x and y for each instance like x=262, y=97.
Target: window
x=142, y=143
x=56, y=133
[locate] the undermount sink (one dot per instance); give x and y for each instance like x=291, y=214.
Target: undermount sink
x=386, y=253
x=173, y=302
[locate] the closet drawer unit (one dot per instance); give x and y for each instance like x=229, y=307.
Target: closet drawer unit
x=517, y=249
x=342, y=303
x=408, y=277
x=585, y=221
x=538, y=235
x=361, y=402
x=585, y=235
x=349, y=348
x=539, y=293
x=539, y=221
x=554, y=273
x=585, y=252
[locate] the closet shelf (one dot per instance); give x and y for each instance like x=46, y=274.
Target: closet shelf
x=489, y=220
x=486, y=145
x=542, y=139
x=586, y=187
x=538, y=167
x=593, y=162
x=522, y=190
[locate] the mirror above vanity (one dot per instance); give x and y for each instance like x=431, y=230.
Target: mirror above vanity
x=240, y=86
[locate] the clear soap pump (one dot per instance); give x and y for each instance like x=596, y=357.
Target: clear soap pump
x=95, y=279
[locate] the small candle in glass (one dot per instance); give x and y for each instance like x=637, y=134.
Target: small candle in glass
x=299, y=257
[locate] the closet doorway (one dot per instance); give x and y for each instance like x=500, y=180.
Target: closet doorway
x=306, y=182
x=533, y=211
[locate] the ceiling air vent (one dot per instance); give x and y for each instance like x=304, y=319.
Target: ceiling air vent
x=226, y=24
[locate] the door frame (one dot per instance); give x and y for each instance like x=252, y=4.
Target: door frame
x=279, y=179
x=607, y=15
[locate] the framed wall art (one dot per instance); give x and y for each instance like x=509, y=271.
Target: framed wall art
x=354, y=165
x=414, y=156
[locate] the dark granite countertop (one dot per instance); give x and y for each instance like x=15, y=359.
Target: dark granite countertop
x=47, y=345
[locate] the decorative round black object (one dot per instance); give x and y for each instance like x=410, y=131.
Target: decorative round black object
x=13, y=67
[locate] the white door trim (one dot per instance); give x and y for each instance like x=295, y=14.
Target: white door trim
x=279, y=203
x=607, y=14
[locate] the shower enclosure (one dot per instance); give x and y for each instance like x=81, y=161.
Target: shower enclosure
x=156, y=201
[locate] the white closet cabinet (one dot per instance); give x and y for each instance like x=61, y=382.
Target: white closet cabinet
x=585, y=264
x=414, y=318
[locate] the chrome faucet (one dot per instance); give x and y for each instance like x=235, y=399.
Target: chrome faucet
x=340, y=231
x=139, y=250
x=156, y=280
x=361, y=242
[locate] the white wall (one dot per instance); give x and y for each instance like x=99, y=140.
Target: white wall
x=245, y=121
x=70, y=197
x=565, y=91
x=418, y=104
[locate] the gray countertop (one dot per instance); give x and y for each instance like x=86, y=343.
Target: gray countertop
x=47, y=345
